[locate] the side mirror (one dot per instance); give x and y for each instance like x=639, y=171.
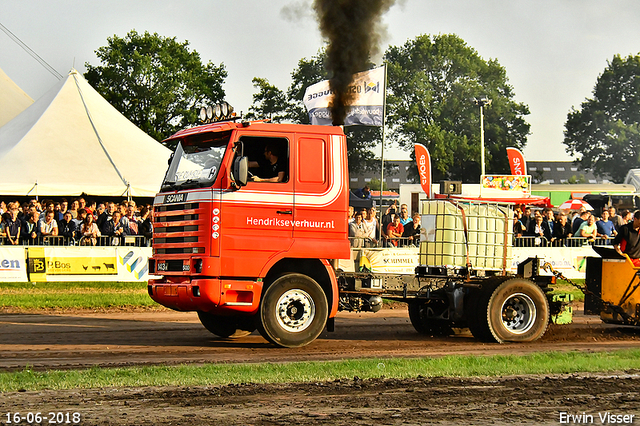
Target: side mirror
x=241, y=171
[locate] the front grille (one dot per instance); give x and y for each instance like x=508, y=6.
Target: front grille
x=177, y=230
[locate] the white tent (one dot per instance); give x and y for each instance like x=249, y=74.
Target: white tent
x=13, y=100
x=71, y=141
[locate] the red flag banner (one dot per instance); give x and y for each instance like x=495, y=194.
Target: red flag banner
x=516, y=161
x=423, y=159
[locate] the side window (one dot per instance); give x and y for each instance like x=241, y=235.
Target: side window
x=268, y=158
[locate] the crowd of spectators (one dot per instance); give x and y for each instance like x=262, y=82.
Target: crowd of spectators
x=74, y=223
x=546, y=228
x=398, y=228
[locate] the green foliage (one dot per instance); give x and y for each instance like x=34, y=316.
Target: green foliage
x=604, y=132
x=154, y=81
x=270, y=102
x=432, y=82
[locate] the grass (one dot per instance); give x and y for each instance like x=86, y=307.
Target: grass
x=563, y=287
x=223, y=374
x=77, y=295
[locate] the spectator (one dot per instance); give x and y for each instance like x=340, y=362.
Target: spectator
x=350, y=214
x=114, y=226
x=3, y=232
x=58, y=216
x=131, y=220
x=617, y=220
x=82, y=213
x=99, y=210
x=628, y=239
x=64, y=206
x=12, y=224
x=588, y=229
x=106, y=216
x=48, y=226
x=145, y=226
x=3, y=208
x=404, y=215
x=357, y=231
x=518, y=226
x=526, y=217
x=395, y=230
x=49, y=206
x=627, y=216
x=584, y=215
x=75, y=205
x=605, y=228
x=364, y=192
x=536, y=230
x=547, y=223
x=561, y=230
x=371, y=222
x=30, y=231
x=67, y=227
x=411, y=232
x=89, y=231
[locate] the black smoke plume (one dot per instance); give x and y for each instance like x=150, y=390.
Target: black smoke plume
x=354, y=31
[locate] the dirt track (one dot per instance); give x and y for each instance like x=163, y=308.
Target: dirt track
x=78, y=340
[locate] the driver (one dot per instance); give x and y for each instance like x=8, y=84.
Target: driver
x=273, y=170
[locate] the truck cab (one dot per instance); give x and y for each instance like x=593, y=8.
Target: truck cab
x=249, y=254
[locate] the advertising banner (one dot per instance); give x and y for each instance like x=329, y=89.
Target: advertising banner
x=571, y=261
x=516, y=161
x=88, y=263
x=13, y=264
x=402, y=260
x=423, y=160
x=366, y=108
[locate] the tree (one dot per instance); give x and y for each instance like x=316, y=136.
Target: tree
x=270, y=102
x=604, y=131
x=432, y=82
x=154, y=81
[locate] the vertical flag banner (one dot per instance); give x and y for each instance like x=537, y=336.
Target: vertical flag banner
x=516, y=161
x=365, y=110
x=423, y=160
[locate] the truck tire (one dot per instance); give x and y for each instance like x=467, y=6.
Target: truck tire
x=227, y=326
x=293, y=311
x=425, y=325
x=515, y=310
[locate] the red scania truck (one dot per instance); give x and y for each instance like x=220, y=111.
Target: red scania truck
x=275, y=256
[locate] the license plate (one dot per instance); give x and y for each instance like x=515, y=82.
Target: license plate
x=161, y=266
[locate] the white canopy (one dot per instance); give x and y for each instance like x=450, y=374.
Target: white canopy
x=71, y=141
x=13, y=100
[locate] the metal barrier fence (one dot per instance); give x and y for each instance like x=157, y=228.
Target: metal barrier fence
x=356, y=242
x=566, y=242
x=102, y=241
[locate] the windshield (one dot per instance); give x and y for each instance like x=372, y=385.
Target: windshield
x=196, y=161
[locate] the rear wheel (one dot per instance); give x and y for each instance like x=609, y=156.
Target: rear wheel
x=421, y=316
x=293, y=311
x=515, y=310
x=227, y=326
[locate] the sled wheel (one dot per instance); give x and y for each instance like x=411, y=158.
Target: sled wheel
x=517, y=311
x=227, y=326
x=425, y=325
x=293, y=311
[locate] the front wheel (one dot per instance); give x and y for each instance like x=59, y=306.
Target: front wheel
x=293, y=311
x=227, y=326
x=517, y=310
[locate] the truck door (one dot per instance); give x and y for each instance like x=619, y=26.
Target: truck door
x=257, y=219
x=320, y=198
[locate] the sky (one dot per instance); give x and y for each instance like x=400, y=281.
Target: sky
x=552, y=50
